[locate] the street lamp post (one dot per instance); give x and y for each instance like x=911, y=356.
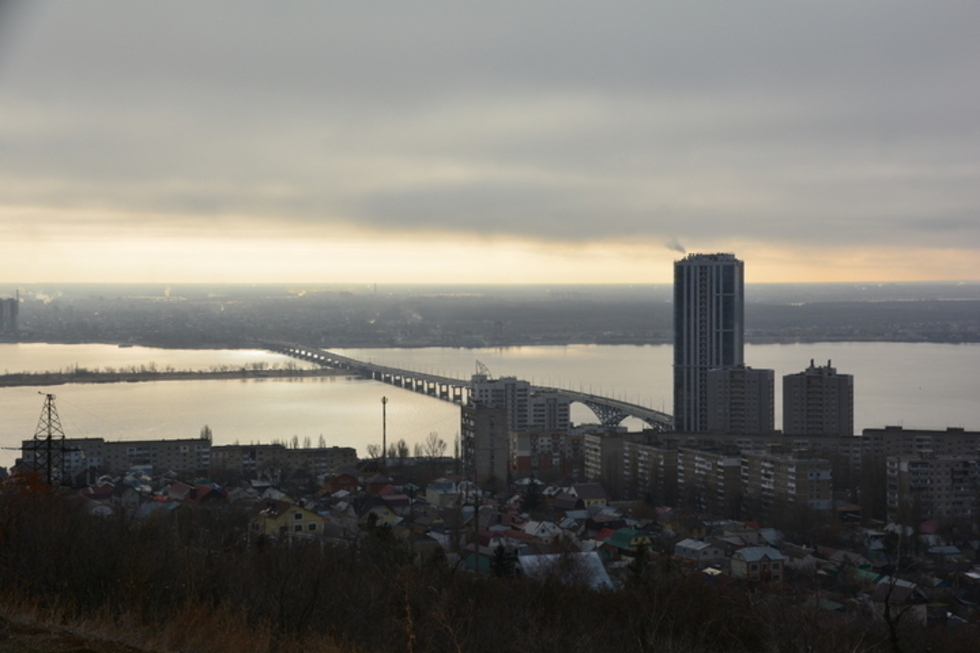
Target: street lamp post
x=384, y=430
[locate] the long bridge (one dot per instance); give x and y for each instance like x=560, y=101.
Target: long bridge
x=609, y=411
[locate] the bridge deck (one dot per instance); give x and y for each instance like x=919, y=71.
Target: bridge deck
x=609, y=411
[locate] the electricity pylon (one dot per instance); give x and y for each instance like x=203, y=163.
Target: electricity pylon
x=49, y=445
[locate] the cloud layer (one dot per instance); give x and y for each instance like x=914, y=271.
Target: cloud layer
x=834, y=126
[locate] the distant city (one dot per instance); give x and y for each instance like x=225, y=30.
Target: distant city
x=472, y=316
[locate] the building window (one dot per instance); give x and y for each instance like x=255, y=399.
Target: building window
x=298, y=528
x=298, y=515
x=312, y=527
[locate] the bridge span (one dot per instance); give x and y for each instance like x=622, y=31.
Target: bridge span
x=609, y=411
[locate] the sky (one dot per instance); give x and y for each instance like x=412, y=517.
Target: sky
x=487, y=142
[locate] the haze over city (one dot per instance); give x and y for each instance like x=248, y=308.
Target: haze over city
x=487, y=143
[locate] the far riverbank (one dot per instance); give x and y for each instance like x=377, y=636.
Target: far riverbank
x=86, y=376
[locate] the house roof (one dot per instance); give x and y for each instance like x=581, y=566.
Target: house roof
x=623, y=538
x=568, y=567
x=588, y=491
x=691, y=543
x=271, y=508
x=757, y=553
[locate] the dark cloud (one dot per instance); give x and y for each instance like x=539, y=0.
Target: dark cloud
x=834, y=124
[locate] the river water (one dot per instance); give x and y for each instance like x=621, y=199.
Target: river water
x=916, y=385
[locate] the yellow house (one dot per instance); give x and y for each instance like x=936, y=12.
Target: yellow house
x=277, y=518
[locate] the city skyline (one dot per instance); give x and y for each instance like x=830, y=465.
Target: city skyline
x=501, y=142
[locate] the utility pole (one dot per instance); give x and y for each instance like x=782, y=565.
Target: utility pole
x=384, y=430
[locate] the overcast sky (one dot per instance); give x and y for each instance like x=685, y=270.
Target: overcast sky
x=487, y=141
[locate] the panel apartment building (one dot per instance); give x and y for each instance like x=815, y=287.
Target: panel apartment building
x=788, y=479
x=190, y=455
x=932, y=486
x=196, y=455
x=495, y=425
x=818, y=402
x=741, y=400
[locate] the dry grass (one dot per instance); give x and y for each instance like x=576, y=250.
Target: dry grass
x=30, y=628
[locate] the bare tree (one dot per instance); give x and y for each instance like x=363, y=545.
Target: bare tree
x=434, y=446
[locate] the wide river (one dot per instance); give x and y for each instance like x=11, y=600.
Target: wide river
x=915, y=385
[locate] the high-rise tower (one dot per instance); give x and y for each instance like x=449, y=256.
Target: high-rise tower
x=818, y=401
x=708, y=330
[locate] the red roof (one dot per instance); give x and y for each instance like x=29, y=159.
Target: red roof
x=604, y=533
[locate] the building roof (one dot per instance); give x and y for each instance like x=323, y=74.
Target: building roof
x=693, y=544
x=568, y=567
x=757, y=553
x=587, y=491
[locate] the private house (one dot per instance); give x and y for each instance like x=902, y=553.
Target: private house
x=400, y=504
x=590, y=494
x=126, y=496
x=626, y=541
x=442, y=493
x=280, y=518
x=699, y=552
x=760, y=563
x=545, y=532
x=342, y=481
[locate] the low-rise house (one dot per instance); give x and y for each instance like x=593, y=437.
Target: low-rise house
x=342, y=481
x=626, y=542
x=762, y=563
x=591, y=494
x=543, y=531
x=376, y=483
x=442, y=493
x=400, y=504
x=699, y=552
x=126, y=496
x=280, y=518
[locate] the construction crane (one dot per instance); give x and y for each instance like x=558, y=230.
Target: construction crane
x=484, y=370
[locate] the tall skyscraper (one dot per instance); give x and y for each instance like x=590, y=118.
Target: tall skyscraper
x=708, y=330
x=818, y=401
x=8, y=315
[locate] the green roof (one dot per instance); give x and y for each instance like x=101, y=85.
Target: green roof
x=623, y=538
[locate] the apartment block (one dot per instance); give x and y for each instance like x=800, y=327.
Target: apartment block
x=709, y=481
x=254, y=459
x=190, y=455
x=931, y=486
x=788, y=479
x=818, y=402
x=555, y=453
x=650, y=471
x=910, y=443
x=485, y=444
x=741, y=400
x=508, y=393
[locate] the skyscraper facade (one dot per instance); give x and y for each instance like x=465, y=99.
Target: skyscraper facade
x=8, y=316
x=709, y=317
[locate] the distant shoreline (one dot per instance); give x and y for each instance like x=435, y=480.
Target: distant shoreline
x=84, y=376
